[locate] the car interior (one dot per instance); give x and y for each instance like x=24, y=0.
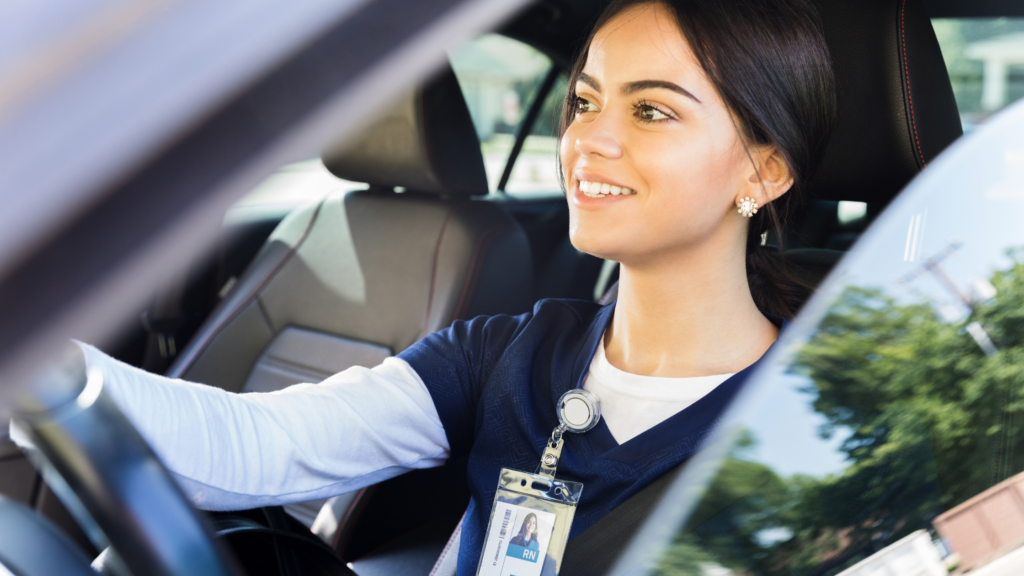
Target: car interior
x=297, y=294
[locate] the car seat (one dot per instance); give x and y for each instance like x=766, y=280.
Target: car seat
x=359, y=276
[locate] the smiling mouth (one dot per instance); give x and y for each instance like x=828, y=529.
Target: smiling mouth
x=603, y=190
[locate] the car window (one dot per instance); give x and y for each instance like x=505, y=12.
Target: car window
x=295, y=184
x=885, y=432
x=985, y=59
x=500, y=79
x=535, y=169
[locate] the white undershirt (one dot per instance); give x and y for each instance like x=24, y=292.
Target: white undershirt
x=309, y=441
x=631, y=404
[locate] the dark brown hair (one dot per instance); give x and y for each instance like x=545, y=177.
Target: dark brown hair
x=770, y=65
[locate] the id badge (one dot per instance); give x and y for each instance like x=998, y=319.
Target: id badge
x=533, y=512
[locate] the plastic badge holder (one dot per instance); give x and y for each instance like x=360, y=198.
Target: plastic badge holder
x=532, y=513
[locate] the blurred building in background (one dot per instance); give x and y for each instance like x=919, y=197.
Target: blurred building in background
x=499, y=77
x=985, y=59
x=1002, y=58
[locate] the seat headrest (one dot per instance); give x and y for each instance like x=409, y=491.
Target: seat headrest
x=425, y=142
x=896, y=105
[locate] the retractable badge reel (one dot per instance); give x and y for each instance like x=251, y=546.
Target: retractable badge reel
x=532, y=513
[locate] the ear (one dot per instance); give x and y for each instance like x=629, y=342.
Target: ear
x=770, y=176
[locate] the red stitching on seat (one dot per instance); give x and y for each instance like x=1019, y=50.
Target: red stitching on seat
x=433, y=273
x=447, y=547
x=352, y=513
x=906, y=76
x=473, y=273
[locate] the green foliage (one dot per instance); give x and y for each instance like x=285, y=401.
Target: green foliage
x=928, y=421
x=684, y=558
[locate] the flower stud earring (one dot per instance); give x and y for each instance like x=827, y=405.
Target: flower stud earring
x=747, y=207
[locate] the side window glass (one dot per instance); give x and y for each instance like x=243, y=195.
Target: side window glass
x=535, y=169
x=985, y=59
x=500, y=79
x=886, y=434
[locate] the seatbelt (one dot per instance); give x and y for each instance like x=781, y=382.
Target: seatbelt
x=595, y=550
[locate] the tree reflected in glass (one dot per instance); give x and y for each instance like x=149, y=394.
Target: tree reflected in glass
x=928, y=421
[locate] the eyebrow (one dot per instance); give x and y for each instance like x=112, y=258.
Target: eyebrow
x=633, y=87
x=589, y=81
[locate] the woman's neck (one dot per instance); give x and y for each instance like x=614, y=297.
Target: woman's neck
x=689, y=314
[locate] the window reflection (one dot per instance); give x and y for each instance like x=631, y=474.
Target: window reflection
x=887, y=435
x=931, y=422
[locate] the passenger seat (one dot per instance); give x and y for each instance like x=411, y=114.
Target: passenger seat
x=360, y=276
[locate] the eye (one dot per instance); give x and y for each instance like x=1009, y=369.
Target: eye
x=583, y=106
x=648, y=112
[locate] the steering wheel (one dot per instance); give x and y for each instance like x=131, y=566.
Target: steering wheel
x=23, y=534
x=117, y=489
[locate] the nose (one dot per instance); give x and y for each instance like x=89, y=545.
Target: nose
x=598, y=139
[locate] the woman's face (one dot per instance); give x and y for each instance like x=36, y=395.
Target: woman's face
x=649, y=121
x=531, y=525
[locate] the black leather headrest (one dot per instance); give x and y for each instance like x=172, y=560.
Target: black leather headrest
x=425, y=142
x=896, y=105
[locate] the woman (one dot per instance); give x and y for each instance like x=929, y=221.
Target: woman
x=527, y=537
x=682, y=117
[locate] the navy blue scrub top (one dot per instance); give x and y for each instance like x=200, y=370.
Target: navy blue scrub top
x=495, y=382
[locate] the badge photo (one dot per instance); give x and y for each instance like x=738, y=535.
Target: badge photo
x=530, y=538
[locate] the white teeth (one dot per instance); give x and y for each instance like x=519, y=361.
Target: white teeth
x=602, y=190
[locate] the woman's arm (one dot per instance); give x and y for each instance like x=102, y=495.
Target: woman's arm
x=308, y=441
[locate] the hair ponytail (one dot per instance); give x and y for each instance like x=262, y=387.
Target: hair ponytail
x=773, y=288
